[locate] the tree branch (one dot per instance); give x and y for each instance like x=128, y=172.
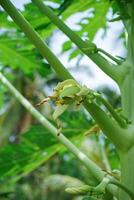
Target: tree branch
x=89, y=164
x=111, y=70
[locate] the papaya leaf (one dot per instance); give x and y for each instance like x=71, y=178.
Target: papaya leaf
x=36, y=146
x=4, y=23
x=12, y=58
x=90, y=23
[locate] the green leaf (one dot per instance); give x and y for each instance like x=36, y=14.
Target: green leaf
x=24, y=156
x=32, y=14
x=39, y=137
x=38, y=21
x=37, y=145
x=12, y=58
x=66, y=46
x=89, y=25
x=44, y=69
x=4, y=22
x=74, y=54
x=26, y=56
x=99, y=12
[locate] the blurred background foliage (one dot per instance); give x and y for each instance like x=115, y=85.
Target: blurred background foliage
x=33, y=165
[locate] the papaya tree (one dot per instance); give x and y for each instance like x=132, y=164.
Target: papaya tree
x=116, y=124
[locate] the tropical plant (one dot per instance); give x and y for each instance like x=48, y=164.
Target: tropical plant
x=19, y=57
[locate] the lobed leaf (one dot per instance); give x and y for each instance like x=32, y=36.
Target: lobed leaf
x=36, y=146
